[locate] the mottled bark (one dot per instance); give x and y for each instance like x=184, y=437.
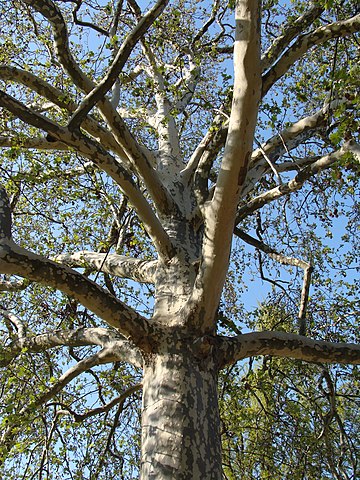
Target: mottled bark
x=180, y=419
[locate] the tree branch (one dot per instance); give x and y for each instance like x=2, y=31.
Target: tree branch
x=19, y=327
x=98, y=93
x=289, y=33
x=57, y=97
x=304, y=43
x=125, y=351
x=286, y=345
x=285, y=260
x=142, y=271
x=163, y=120
x=220, y=211
x=15, y=260
x=103, y=160
x=61, y=42
x=38, y=143
x=293, y=185
x=8, y=436
x=142, y=161
x=80, y=417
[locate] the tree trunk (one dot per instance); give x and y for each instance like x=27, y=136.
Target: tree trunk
x=180, y=419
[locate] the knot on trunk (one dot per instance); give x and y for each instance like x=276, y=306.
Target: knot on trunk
x=203, y=346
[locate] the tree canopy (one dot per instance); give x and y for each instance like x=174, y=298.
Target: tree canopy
x=179, y=208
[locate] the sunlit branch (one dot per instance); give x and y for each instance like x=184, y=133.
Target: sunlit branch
x=287, y=345
x=19, y=327
x=118, y=265
x=15, y=260
x=304, y=43
x=163, y=121
x=18, y=261
x=199, y=166
x=220, y=211
x=189, y=83
x=203, y=172
x=52, y=13
x=58, y=98
x=287, y=140
x=142, y=161
x=38, y=143
x=270, y=163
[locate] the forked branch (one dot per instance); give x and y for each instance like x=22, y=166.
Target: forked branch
x=293, y=185
x=98, y=93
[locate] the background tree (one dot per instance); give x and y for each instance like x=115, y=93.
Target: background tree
x=144, y=188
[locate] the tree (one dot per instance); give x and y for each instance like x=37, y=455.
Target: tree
x=132, y=155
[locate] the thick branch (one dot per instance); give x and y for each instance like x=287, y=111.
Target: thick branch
x=53, y=14
x=287, y=345
x=304, y=43
x=15, y=260
x=18, y=261
x=163, y=120
x=58, y=98
x=142, y=271
x=142, y=162
x=38, y=143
